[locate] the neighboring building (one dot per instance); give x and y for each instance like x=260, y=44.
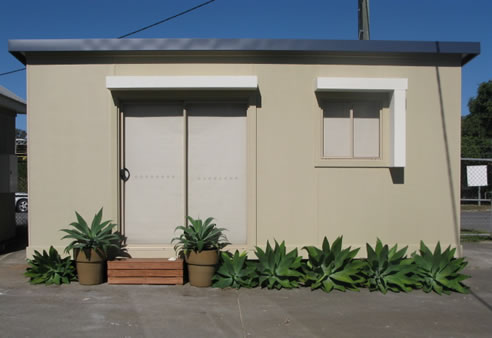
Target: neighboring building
x=10, y=106
x=277, y=139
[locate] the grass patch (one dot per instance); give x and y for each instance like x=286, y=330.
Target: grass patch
x=474, y=207
x=468, y=236
x=471, y=231
x=474, y=239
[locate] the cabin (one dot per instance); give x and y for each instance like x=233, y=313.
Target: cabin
x=289, y=140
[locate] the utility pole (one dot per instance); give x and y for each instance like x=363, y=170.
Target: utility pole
x=364, y=32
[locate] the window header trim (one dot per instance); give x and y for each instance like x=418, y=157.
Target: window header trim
x=360, y=84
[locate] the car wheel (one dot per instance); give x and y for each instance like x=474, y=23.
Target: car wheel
x=22, y=205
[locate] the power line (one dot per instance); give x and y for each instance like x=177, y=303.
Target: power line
x=166, y=19
x=138, y=30
x=13, y=71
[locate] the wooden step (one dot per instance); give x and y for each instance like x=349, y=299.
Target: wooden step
x=146, y=280
x=145, y=271
x=145, y=264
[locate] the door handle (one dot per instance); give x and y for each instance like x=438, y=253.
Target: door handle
x=124, y=174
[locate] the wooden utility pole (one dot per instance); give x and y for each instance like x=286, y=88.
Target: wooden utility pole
x=364, y=32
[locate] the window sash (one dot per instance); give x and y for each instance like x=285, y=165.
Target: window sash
x=352, y=130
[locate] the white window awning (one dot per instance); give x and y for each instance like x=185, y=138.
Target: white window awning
x=181, y=82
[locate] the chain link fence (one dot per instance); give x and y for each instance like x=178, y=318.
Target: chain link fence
x=476, y=195
x=22, y=174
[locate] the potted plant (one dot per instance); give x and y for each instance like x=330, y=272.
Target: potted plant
x=90, y=246
x=200, y=243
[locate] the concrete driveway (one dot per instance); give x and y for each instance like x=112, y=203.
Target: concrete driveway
x=185, y=311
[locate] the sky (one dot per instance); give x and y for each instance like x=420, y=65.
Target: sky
x=425, y=20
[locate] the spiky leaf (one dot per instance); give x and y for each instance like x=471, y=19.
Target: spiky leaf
x=199, y=236
x=276, y=268
x=99, y=236
x=49, y=268
x=440, y=271
x=234, y=271
x=332, y=268
x=389, y=269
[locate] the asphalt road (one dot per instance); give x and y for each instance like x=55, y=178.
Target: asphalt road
x=476, y=220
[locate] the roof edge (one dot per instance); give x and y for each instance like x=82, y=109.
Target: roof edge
x=466, y=50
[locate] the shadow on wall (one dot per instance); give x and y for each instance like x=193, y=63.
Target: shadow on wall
x=448, y=159
x=397, y=175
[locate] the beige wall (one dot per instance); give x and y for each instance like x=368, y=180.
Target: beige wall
x=73, y=156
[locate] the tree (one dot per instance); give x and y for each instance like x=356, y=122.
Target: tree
x=476, y=127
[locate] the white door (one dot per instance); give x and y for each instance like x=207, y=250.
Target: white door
x=154, y=156
x=217, y=166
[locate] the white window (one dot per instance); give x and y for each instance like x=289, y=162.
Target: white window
x=351, y=130
x=370, y=131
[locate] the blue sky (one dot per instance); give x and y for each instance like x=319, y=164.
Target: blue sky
x=431, y=20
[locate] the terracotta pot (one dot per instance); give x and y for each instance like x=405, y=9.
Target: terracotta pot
x=201, y=267
x=90, y=271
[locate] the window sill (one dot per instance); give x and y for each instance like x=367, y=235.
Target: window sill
x=350, y=163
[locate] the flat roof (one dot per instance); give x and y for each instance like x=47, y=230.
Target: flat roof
x=466, y=50
x=11, y=101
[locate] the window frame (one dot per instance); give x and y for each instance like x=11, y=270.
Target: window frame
x=393, y=139
x=350, y=103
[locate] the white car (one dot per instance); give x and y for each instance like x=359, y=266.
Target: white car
x=21, y=202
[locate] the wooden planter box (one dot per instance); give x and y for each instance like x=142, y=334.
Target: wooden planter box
x=145, y=271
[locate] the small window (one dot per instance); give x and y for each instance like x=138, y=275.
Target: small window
x=352, y=130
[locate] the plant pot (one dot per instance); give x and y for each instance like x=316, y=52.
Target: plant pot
x=90, y=271
x=201, y=267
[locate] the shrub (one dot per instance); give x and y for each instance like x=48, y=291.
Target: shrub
x=199, y=236
x=440, y=271
x=276, y=268
x=234, y=271
x=49, y=268
x=98, y=236
x=332, y=268
x=389, y=269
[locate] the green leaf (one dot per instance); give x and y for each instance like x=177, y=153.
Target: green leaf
x=49, y=268
x=332, y=268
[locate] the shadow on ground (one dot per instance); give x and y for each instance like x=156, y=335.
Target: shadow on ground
x=20, y=241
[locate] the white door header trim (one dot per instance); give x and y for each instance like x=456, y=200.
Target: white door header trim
x=181, y=82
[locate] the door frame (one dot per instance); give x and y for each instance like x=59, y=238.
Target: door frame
x=251, y=169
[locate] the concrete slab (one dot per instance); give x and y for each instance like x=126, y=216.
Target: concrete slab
x=184, y=311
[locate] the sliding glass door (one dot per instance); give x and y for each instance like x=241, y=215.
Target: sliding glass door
x=184, y=162
x=217, y=166
x=154, y=191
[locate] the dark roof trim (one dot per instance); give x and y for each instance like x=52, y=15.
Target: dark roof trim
x=10, y=101
x=467, y=50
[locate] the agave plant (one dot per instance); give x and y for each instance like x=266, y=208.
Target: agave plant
x=98, y=236
x=276, y=268
x=199, y=236
x=332, y=268
x=389, y=269
x=440, y=271
x=49, y=268
x=234, y=271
